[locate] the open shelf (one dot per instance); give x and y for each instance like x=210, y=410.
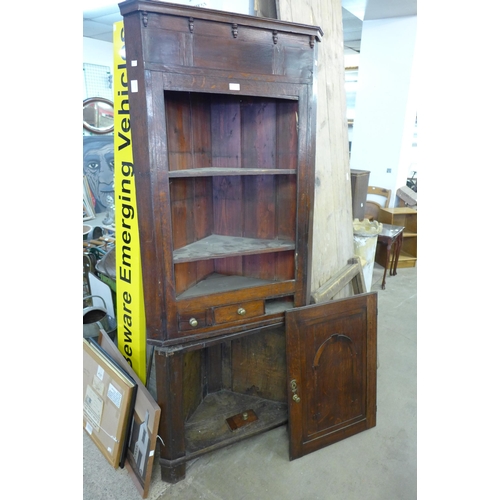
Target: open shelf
x=208, y=430
x=217, y=246
x=406, y=260
x=218, y=283
x=215, y=171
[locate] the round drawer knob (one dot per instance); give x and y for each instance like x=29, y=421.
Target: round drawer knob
x=193, y=322
x=241, y=311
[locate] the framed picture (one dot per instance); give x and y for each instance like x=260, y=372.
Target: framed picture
x=98, y=169
x=144, y=425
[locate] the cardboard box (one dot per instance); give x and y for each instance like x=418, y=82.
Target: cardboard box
x=108, y=399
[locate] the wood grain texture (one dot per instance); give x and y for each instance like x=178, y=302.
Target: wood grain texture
x=333, y=234
x=331, y=353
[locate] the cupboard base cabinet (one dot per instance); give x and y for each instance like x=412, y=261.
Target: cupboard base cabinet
x=222, y=115
x=317, y=372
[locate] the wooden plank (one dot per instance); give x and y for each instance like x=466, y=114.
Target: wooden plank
x=333, y=242
x=259, y=365
x=225, y=124
x=230, y=289
x=217, y=171
x=353, y=271
x=216, y=246
x=208, y=430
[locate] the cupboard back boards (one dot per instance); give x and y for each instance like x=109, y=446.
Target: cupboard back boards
x=223, y=116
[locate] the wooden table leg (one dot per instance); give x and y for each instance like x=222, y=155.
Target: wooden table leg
x=397, y=250
x=171, y=429
x=387, y=257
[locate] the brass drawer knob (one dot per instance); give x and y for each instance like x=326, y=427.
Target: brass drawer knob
x=296, y=398
x=241, y=311
x=193, y=322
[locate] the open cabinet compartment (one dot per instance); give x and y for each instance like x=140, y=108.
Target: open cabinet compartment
x=229, y=377
x=232, y=164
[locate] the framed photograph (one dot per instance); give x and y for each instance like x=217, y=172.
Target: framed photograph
x=108, y=399
x=144, y=427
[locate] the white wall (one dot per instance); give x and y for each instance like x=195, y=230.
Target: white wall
x=98, y=52
x=382, y=134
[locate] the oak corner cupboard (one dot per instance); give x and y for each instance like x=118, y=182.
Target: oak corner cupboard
x=223, y=114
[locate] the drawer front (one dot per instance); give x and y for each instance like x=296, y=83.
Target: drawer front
x=194, y=320
x=240, y=311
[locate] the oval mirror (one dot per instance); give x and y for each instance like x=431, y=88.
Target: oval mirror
x=98, y=115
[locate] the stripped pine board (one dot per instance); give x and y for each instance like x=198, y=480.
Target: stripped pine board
x=333, y=241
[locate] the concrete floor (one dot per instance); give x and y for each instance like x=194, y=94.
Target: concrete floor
x=380, y=463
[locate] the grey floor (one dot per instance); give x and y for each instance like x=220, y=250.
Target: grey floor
x=380, y=463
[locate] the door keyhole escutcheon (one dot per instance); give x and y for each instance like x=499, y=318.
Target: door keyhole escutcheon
x=293, y=386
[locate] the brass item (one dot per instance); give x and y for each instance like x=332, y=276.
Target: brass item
x=193, y=322
x=241, y=419
x=241, y=311
x=293, y=386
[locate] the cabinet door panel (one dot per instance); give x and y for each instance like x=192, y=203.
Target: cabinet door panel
x=331, y=363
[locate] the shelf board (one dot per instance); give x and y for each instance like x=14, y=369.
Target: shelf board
x=405, y=258
x=216, y=171
x=217, y=246
x=208, y=430
x=219, y=283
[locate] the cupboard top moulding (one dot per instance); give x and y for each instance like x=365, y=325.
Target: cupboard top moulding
x=223, y=117
x=186, y=42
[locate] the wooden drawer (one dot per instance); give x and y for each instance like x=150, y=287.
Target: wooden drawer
x=194, y=320
x=240, y=311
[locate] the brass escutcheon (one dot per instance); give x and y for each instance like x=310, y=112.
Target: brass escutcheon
x=293, y=386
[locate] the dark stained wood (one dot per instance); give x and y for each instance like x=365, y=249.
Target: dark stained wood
x=213, y=369
x=223, y=127
x=226, y=126
x=259, y=365
x=192, y=381
x=170, y=401
x=332, y=371
x=238, y=311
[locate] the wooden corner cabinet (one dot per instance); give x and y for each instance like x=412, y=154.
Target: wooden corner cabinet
x=406, y=217
x=222, y=111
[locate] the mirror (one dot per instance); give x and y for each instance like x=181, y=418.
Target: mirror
x=98, y=115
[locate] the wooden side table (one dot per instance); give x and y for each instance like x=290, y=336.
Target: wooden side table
x=391, y=239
